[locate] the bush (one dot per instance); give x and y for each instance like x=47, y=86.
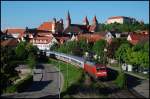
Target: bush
x=20, y=85
x=24, y=83
x=10, y=89
x=120, y=80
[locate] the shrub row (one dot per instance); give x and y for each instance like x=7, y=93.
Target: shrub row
x=20, y=86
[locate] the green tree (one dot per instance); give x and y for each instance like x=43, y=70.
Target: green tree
x=114, y=45
x=32, y=61
x=21, y=51
x=8, y=65
x=31, y=49
x=139, y=55
x=67, y=47
x=121, y=53
x=54, y=47
x=98, y=49
x=126, y=27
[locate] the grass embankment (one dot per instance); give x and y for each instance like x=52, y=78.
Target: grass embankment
x=73, y=76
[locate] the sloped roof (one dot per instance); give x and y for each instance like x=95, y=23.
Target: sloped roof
x=118, y=17
x=9, y=42
x=17, y=30
x=72, y=29
x=135, y=38
x=91, y=37
x=45, y=26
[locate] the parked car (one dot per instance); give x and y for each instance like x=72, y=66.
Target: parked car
x=146, y=71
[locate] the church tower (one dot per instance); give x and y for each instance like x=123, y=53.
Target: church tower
x=68, y=19
x=95, y=22
x=85, y=21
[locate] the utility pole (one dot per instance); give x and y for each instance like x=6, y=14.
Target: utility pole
x=59, y=79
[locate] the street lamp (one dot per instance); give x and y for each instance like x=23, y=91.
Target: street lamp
x=105, y=50
x=59, y=78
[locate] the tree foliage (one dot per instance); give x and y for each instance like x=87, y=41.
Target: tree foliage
x=137, y=55
x=7, y=67
x=114, y=45
x=123, y=27
x=99, y=46
x=21, y=51
x=98, y=49
x=121, y=53
x=32, y=61
x=74, y=47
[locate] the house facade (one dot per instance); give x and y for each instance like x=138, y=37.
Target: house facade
x=120, y=19
x=43, y=43
x=135, y=38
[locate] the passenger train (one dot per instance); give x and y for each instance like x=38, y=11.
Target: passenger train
x=94, y=70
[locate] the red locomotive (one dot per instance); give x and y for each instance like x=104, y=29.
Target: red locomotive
x=95, y=70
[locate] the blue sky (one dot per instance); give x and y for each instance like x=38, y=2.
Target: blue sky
x=20, y=14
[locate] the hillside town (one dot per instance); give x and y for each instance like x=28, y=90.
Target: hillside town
x=53, y=31
x=120, y=44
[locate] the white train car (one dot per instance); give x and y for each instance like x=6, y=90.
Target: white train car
x=68, y=58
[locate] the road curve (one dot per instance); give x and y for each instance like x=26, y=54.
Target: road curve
x=45, y=84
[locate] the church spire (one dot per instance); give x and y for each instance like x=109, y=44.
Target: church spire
x=95, y=20
x=68, y=19
x=85, y=21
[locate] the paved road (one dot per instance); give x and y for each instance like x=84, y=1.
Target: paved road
x=45, y=84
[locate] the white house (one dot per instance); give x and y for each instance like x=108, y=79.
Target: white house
x=120, y=19
x=44, y=43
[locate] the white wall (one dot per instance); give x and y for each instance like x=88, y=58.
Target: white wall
x=15, y=35
x=120, y=20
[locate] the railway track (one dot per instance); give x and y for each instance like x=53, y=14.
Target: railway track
x=114, y=92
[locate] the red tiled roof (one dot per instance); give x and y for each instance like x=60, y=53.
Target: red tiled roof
x=44, y=34
x=135, y=38
x=9, y=42
x=47, y=26
x=91, y=37
x=14, y=30
x=11, y=31
x=116, y=17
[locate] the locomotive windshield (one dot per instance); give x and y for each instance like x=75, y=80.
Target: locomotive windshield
x=100, y=68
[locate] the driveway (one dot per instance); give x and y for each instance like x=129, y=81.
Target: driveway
x=45, y=84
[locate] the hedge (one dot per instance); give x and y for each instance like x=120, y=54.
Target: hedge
x=20, y=86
